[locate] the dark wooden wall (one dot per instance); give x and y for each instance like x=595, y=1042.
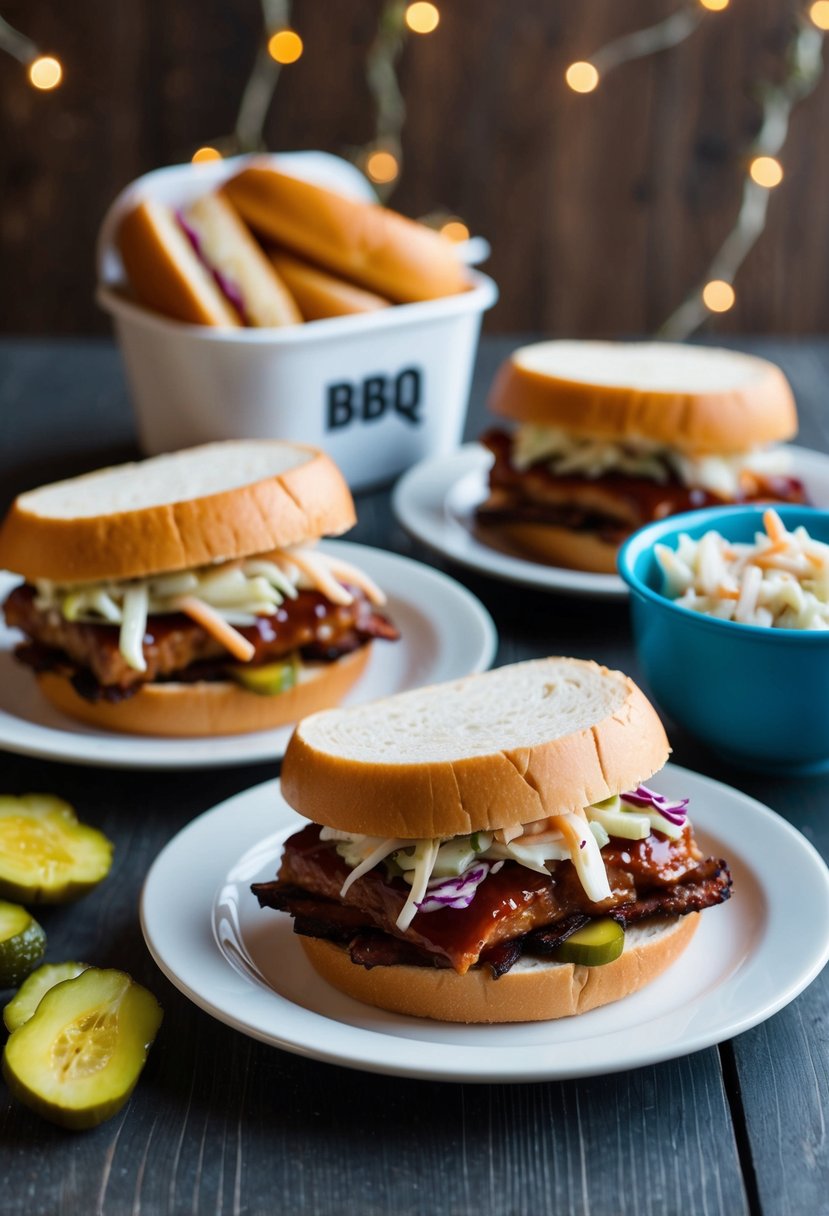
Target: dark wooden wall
x=602, y=210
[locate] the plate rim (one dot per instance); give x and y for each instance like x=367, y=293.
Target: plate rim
x=497, y=1072
x=514, y=569
x=114, y=751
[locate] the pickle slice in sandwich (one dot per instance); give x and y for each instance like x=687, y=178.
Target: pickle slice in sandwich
x=598, y=942
x=46, y=855
x=22, y=944
x=77, y=1059
x=269, y=679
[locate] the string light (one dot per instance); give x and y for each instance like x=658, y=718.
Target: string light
x=455, y=229
x=45, y=72
x=819, y=13
x=382, y=167
x=582, y=77
x=285, y=46
x=422, y=18
x=718, y=296
x=766, y=171
x=714, y=6
x=203, y=156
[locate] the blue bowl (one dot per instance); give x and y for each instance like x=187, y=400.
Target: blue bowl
x=759, y=696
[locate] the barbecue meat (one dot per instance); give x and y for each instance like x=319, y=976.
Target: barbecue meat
x=612, y=505
x=651, y=877
x=173, y=643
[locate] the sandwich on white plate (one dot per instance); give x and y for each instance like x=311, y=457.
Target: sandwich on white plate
x=609, y=436
x=184, y=595
x=487, y=851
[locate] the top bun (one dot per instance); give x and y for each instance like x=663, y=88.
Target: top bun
x=693, y=398
x=173, y=512
x=367, y=244
x=509, y=747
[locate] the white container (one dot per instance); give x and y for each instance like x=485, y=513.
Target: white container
x=378, y=391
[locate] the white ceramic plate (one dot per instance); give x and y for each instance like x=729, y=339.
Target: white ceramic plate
x=749, y=957
x=445, y=633
x=436, y=500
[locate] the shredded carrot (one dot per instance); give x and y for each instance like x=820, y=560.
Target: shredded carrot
x=320, y=576
x=774, y=527
x=727, y=593
x=218, y=628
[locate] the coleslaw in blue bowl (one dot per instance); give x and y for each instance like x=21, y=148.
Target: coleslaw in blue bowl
x=757, y=694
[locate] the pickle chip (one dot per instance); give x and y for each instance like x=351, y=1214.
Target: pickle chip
x=46, y=855
x=78, y=1057
x=21, y=1007
x=22, y=944
x=598, y=942
x=269, y=679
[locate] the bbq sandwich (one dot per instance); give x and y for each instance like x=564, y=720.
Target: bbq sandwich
x=185, y=595
x=611, y=436
x=487, y=850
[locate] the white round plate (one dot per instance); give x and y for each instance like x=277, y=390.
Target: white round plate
x=436, y=500
x=445, y=633
x=749, y=957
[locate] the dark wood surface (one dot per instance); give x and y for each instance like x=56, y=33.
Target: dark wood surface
x=220, y=1123
x=602, y=210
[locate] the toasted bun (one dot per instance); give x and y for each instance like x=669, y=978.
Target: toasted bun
x=692, y=398
x=511, y=746
x=164, y=271
x=210, y=708
x=229, y=248
x=552, y=545
x=205, y=504
x=367, y=244
x=532, y=991
x=319, y=294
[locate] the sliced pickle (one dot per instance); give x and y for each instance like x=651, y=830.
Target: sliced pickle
x=46, y=855
x=269, y=679
x=598, y=942
x=22, y=944
x=21, y=1007
x=77, y=1059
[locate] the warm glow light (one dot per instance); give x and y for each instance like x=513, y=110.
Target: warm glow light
x=582, y=77
x=285, y=46
x=819, y=12
x=456, y=230
x=718, y=296
x=422, y=18
x=766, y=171
x=714, y=6
x=382, y=167
x=202, y=155
x=45, y=72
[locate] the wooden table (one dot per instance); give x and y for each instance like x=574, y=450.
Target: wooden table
x=222, y=1124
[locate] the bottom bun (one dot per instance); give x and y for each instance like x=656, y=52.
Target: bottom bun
x=219, y=707
x=532, y=991
x=552, y=545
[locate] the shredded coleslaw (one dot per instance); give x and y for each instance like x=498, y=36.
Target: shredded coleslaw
x=781, y=580
x=220, y=597
x=566, y=453
x=447, y=871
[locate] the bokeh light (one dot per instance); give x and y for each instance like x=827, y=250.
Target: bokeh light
x=422, y=17
x=203, y=156
x=715, y=6
x=766, y=171
x=382, y=167
x=819, y=12
x=285, y=46
x=718, y=296
x=455, y=230
x=45, y=72
x=582, y=77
